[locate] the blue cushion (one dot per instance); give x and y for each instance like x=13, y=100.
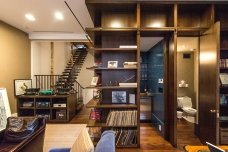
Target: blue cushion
x=106, y=143
x=59, y=150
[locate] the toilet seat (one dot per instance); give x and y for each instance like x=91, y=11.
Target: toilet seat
x=190, y=110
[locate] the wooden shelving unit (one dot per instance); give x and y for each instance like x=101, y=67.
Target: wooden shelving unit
x=220, y=13
x=140, y=19
x=50, y=110
x=108, y=38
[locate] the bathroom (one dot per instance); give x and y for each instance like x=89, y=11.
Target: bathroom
x=187, y=90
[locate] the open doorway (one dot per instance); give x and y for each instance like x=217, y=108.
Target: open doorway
x=187, y=90
x=151, y=82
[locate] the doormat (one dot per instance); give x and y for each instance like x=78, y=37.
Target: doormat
x=189, y=148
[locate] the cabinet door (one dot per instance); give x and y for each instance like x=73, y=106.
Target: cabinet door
x=209, y=85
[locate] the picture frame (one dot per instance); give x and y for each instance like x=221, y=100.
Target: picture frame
x=5, y=111
x=132, y=98
x=94, y=81
x=20, y=85
x=119, y=97
x=112, y=64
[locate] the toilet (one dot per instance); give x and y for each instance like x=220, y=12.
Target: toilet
x=185, y=103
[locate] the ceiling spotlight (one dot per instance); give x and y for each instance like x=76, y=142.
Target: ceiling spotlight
x=30, y=17
x=59, y=16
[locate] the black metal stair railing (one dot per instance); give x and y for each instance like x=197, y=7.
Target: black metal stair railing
x=48, y=82
x=72, y=69
x=67, y=81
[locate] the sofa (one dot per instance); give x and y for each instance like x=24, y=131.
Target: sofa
x=27, y=145
x=105, y=144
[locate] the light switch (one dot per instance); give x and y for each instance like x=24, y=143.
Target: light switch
x=160, y=80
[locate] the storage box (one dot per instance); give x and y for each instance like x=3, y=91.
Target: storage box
x=45, y=116
x=59, y=105
x=42, y=104
x=224, y=136
x=61, y=115
x=27, y=104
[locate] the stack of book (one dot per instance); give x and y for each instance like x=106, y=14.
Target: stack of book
x=223, y=63
x=122, y=118
x=130, y=64
x=223, y=79
x=125, y=137
x=95, y=114
x=128, y=84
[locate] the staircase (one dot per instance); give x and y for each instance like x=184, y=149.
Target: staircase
x=67, y=82
x=73, y=68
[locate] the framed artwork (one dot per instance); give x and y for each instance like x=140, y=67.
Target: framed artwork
x=94, y=81
x=20, y=85
x=112, y=64
x=119, y=97
x=5, y=111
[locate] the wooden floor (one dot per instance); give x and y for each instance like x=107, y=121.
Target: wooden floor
x=151, y=140
x=185, y=134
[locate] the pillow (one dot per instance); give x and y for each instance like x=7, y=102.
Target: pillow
x=106, y=143
x=20, y=128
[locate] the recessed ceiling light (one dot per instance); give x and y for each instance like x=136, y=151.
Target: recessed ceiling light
x=30, y=17
x=59, y=16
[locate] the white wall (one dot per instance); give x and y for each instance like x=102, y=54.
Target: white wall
x=41, y=63
x=85, y=77
x=41, y=57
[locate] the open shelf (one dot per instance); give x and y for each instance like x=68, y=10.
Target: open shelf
x=127, y=146
x=104, y=68
x=114, y=49
x=26, y=107
x=110, y=87
x=156, y=15
x=224, y=49
x=194, y=15
x=96, y=104
x=93, y=123
x=223, y=119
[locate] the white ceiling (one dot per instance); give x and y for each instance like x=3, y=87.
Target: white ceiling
x=148, y=42
x=13, y=11
x=47, y=27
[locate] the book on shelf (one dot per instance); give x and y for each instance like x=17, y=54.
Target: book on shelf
x=223, y=78
x=223, y=118
x=134, y=84
x=128, y=46
x=223, y=63
x=130, y=64
x=122, y=118
x=132, y=98
x=95, y=114
x=125, y=137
